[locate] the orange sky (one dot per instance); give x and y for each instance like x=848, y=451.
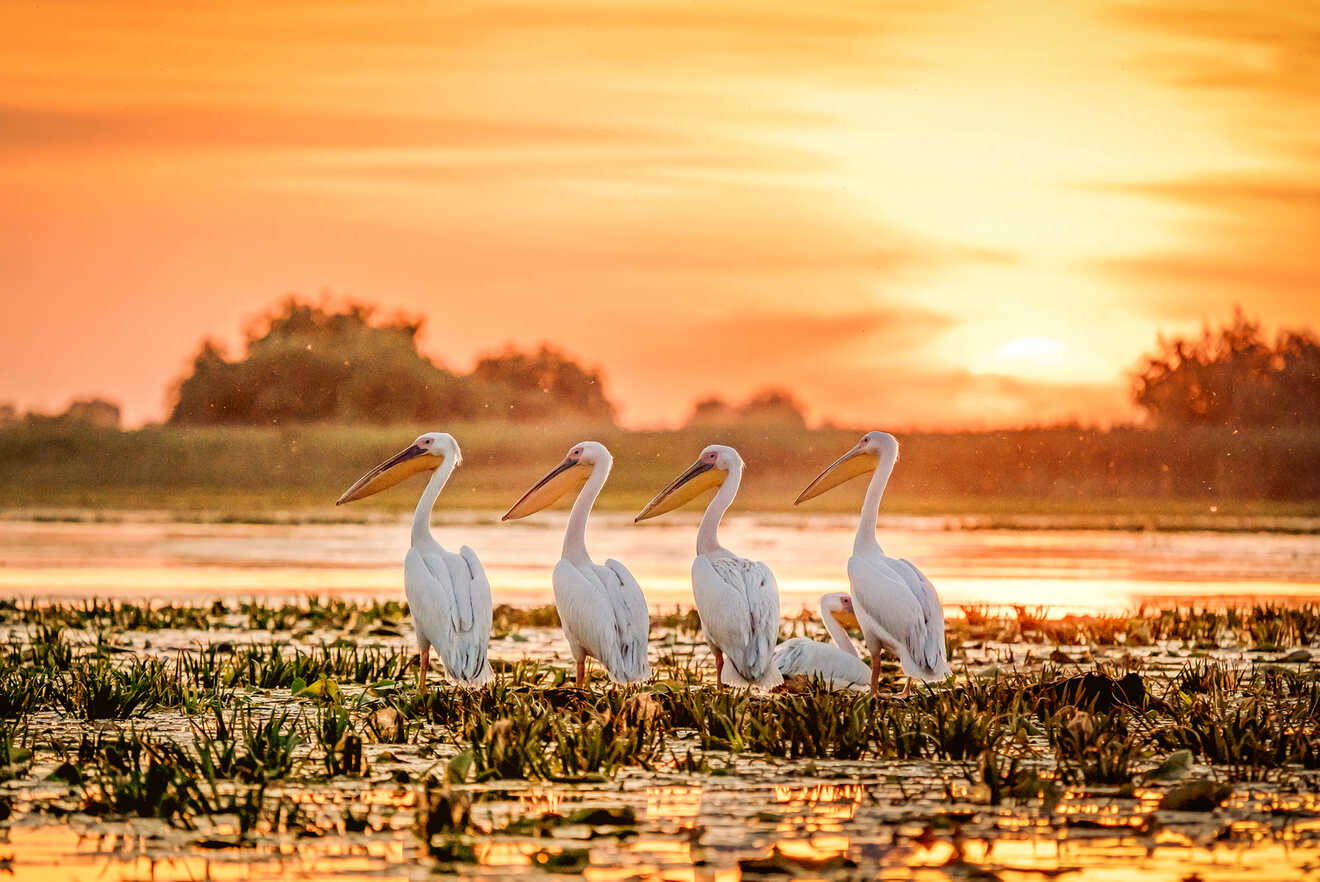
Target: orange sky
x=911, y=213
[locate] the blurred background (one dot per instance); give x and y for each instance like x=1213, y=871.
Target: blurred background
x=1066, y=252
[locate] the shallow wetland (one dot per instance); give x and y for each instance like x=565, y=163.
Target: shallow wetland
x=269, y=740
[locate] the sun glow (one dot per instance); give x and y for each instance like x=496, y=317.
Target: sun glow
x=1031, y=349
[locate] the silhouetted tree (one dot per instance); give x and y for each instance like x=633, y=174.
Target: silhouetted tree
x=543, y=384
x=305, y=363
x=712, y=411
x=1231, y=376
x=776, y=406
x=769, y=406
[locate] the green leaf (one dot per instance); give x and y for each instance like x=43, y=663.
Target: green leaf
x=459, y=766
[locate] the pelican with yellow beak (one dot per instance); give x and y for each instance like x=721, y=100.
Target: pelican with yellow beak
x=737, y=599
x=838, y=666
x=448, y=594
x=601, y=607
x=895, y=603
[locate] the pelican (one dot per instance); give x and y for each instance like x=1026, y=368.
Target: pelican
x=896, y=605
x=737, y=599
x=601, y=607
x=448, y=594
x=838, y=666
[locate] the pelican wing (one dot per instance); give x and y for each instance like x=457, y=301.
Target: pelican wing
x=837, y=669
x=738, y=601
x=633, y=619
x=449, y=598
x=887, y=605
x=479, y=594
x=936, y=652
x=594, y=619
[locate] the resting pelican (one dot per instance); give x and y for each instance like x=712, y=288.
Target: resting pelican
x=601, y=608
x=737, y=599
x=896, y=604
x=838, y=666
x=448, y=594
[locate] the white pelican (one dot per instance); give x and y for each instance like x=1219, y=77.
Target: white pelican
x=448, y=594
x=737, y=599
x=601, y=608
x=896, y=604
x=838, y=666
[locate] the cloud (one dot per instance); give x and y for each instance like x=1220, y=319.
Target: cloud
x=1261, y=59
x=960, y=400
x=1254, y=240
x=257, y=127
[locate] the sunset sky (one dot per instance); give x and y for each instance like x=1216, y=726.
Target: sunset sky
x=910, y=213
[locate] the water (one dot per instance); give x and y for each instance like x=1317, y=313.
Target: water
x=1066, y=570
x=836, y=819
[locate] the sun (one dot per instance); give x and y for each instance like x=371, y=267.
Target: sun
x=1031, y=349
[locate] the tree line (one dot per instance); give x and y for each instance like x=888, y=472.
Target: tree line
x=306, y=363
x=309, y=363
x=1232, y=376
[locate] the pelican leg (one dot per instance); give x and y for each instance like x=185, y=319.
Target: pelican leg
x=907, y=690
x=582, y=672
x=719, y=668
x=423, y=668
x=875, y=675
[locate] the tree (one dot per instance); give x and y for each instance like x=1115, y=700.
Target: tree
x=305, y=363
x=769, y=406
x=777, y=406
x=1232, y=376
x=544, y=384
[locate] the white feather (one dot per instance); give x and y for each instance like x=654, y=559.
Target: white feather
x=899, y=611
x=836, y=668
x=738, y=603
x=604, y=615
x=449, y=598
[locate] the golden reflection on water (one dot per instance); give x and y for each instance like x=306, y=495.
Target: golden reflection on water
x=505, y=854
x=60, y=854
x=1069, y=570
x=539, y=802
x=681, y=805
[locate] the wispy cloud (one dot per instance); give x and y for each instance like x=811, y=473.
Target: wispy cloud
x=1250, y=233
x=862, y=201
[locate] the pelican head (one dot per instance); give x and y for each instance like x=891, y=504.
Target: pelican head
x=709, y=471
x=568, y=476
x=840, y=606
x=423, y=455
x=861, y=460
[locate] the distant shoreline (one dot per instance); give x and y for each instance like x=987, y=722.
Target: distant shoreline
x=1136, y=520
x=1030, y=479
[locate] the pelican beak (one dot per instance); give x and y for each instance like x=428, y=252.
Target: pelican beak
x=559, y=481
x=847, y=619
x=401, y=465
x=702, y=476
x=853, y=463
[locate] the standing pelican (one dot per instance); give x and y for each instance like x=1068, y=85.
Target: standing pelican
x=838, y=666
x=601, y=608
x=737, y=599
x=896, y=604
x=448, y=594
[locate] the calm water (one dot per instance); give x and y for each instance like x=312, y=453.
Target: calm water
x=1065, y=570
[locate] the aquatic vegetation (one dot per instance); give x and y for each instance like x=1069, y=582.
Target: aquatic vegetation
x=95, y=688
x=1095, y=748
x=339, y=745
x=237, y=738
x=247, y=747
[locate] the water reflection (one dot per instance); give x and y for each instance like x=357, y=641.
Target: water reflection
x=1066, y=570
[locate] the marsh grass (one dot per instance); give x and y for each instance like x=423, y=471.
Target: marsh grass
x=257, y=720
x=96, y=688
